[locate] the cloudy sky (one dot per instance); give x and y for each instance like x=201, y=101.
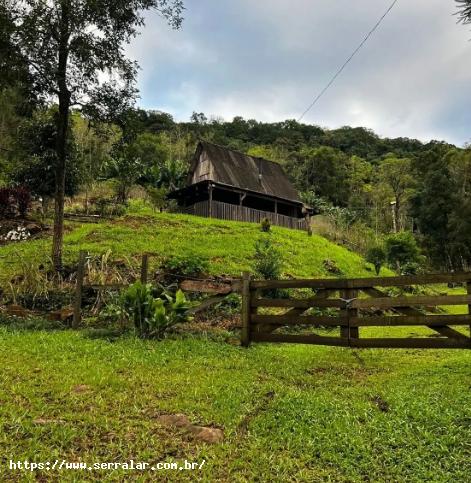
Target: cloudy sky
x=268, y=59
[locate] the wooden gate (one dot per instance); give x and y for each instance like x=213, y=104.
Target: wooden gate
x=351, y=304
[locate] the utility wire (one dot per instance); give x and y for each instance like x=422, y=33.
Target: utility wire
x=363, y=42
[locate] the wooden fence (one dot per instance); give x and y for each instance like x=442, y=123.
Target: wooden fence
x=353, y=304
x=227, y=211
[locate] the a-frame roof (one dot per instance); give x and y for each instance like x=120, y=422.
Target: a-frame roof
x=249, y=173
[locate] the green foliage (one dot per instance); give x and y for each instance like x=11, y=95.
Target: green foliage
x=153, y=316
x=265, y=225
x=185, y=265
x=401, y=249
x=268, y=259
x=377, y=256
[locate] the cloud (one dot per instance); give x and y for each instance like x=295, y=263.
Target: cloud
x=268, y=60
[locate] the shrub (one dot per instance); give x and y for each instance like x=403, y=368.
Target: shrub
x=153, y=316
x=401, y=249
x=5, y=201
x=265, y=225
x=189, y=265
x=22, y=196
x=267, y=259
x=377, y=256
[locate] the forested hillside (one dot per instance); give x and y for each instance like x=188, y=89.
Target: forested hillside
x=367, y=187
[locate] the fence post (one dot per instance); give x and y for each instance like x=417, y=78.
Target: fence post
x=144, y=267
x=245, y=334
x=78, y=290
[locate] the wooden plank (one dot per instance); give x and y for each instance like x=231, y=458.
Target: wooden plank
x=360, y=283
x=299, y=303
x=420, y=300
x=77, y=318
x=410, y=320
x=409, y=343
x=206, y=304
x=344, y=330
x=373, y=321
x=206, y=286
x=246, y=332
x=315, y=320
x=442, y=330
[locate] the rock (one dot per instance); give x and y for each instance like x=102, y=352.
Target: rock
x=206, y=434
x=176, y=420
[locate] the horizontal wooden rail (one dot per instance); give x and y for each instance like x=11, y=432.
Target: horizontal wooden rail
x=359, y=283
x=372, y=321
x=299, y=303
x=360, y=304
x=389, y=302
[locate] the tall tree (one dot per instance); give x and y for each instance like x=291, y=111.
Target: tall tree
x=69, y=46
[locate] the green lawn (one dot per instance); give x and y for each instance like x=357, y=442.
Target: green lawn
x=289, y=413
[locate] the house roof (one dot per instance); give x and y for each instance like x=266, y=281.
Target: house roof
x=250, y=173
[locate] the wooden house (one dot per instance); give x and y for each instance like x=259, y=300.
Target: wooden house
x=226, y=184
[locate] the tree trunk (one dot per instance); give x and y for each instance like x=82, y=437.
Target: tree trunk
x=62, y=133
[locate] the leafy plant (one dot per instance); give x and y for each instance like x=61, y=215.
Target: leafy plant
x=401, y=249
x=377, y=256
x=22, y=196
x=265, y=225
x=186, y=265
x=267, y=259
x=153, y=316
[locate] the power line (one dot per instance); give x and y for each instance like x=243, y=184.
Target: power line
x=321, y=93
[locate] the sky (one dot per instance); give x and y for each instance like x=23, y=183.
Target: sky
x=268, y=59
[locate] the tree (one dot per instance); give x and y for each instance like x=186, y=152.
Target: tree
x=402, y=249
x=324, y=171
x=68, y=46
x=464, y=11
x=434, y=202
x=376, y=255
x=37, y=150
x=395, y=173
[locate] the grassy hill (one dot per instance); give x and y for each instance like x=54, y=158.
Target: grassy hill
x=288, y=412
x=229, y=246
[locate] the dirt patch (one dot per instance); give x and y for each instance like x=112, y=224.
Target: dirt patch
x=81, y=388
x=380, y=403
x=203, y=434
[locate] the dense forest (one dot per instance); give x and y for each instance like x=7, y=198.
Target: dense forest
x=367, y=187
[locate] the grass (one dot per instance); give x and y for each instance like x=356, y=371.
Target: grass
x=289, y=413
x=228, y=245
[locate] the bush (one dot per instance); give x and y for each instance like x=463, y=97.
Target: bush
x=22, y=196
x=190, y=265
x=5, y=201
x=267, y=259
x=401, y=249
x=153, y=316
x=377, y=256
x=265, y=225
